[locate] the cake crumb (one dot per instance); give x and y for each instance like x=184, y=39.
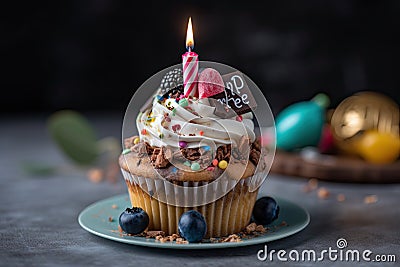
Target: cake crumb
x=323, y=193
x=251, y=228
x=150, y=234
x=160, y=236
x=114, y=206
x=260, y=228
x=232, y=238
x=283, y=223
x=95, y=175
x=371, y=199
x=250, y=231
x=341, y=197
x=174, y=237
x=180, y=240
x=311, y=185
x=169, y=238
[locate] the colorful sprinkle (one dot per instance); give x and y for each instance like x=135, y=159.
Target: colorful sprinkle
x=136, y=140
x=210, y=168
x=201, y=133
x=239, y=118
x=223, y=164
x=183, y=102
x=144, y=132
x=174, y=112
x=174, y=170
x=215, y=162
x=160, y=97
x=126, y=151
x=161, y=135
x=206, y=148
x=187, y=163
x=182, y=144
x=195, y=166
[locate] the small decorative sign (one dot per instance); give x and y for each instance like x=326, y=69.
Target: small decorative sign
x=236, y=99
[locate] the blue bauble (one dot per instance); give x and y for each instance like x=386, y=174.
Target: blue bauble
x=300, y=125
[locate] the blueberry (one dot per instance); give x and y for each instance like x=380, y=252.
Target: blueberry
x=134, y=221
x=265, y=210
x=192, y=226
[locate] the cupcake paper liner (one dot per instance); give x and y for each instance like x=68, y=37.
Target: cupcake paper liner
x=224, y=215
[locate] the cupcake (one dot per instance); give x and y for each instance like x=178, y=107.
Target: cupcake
x=197, y=153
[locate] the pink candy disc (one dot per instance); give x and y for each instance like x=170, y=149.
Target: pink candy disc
x=210, y=83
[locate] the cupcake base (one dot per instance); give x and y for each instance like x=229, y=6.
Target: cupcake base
x=227, y=215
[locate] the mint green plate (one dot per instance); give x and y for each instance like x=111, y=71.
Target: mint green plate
x=95, y=219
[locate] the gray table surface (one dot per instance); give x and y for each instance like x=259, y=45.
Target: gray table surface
x=38, y=215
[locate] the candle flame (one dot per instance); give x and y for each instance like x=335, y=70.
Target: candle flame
x=189, y=35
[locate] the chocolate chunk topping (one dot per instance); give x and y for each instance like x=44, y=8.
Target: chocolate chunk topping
x=178, y=155
x=149, y=148
x=158, y=158
x=168, y=153
x=255, y=156
x=191, y=153
x=140, y=149
x=255, y=152
x=223, y=152
x=256, y=145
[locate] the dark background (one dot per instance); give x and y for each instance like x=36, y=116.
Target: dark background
x=92, y=55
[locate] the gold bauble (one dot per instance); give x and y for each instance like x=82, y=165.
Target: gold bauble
x=360, y=112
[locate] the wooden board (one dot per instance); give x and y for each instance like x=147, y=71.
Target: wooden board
x=334, y=168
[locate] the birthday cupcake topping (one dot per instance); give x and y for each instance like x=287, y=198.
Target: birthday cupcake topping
x=201, y=132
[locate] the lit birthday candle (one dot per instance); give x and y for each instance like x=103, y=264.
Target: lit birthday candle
x=190, y=64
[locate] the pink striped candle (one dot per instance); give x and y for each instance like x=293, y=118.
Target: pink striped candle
x=190, y=65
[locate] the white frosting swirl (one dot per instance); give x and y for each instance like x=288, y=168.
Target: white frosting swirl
x=195, y=124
